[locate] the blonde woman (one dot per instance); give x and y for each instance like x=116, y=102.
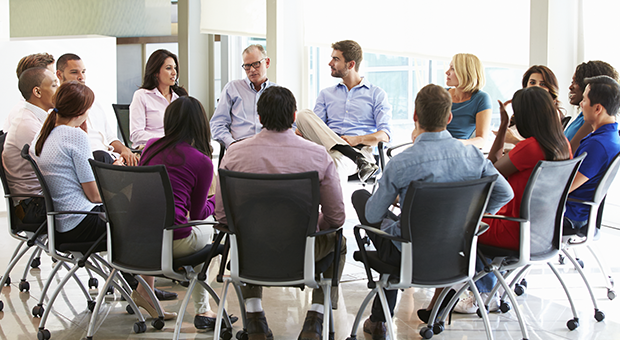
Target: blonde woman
x=471, y=107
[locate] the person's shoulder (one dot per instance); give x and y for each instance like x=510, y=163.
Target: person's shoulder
x=481, y=96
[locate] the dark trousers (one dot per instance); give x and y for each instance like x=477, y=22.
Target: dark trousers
x=386, y=250
x=102, y=156
x=89, y=230
x=31, y=210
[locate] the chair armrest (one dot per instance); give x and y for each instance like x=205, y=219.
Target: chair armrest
x=482, y=228
x=82, y=260
x=380, y=232
x=202, y=276
x=326, y=231
x=501, y=217
x=189, y=224
x=389, y=150
x=23, y=195
x=223, y=228
x=101, y=214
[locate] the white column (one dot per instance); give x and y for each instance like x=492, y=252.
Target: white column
x=195, y=55
x=285, y=46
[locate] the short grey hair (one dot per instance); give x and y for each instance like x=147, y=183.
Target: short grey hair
x=259, y=47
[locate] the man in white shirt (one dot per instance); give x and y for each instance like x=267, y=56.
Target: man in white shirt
x=104, y=141
x=38, y=86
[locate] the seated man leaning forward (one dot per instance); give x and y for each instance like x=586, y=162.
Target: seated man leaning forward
x=349, y=118
x=277, y=150
x=435, y=156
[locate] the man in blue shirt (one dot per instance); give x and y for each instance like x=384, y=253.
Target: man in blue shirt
x=600, y=104
x=435, y=156
x=349, y=118
x=235, y=117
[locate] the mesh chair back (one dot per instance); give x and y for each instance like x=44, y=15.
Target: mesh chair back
x=122, y=118
x=440, y=220
x=139, y=204
x=606, y=180
x=271, y=215
x=49, y=203
x=543, y=204
x=15, y=223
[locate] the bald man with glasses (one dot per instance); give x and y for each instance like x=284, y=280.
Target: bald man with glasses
x=235, y=117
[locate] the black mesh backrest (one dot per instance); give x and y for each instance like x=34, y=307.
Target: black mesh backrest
x=15, y=223
x=49, y=203
x=543, y=204
x=440, y=220
x=122, y=118
x=271, y=215
x=139, y=204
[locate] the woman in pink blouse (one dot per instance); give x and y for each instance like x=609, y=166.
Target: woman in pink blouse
x=159, y=88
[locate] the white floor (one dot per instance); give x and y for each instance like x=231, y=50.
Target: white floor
x=544, y=305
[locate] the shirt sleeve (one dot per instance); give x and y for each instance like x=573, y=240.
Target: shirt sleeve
x=485, y=102
x=222, y=119
x=595, y=159
x=137, y=118
x=378, y=204
x=319, y=108
x=523, y=155
x=202, y=207
x=80, y=153
x=332, y=206
x=383, y=113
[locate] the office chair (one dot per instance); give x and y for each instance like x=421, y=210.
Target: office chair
x=121, y=111
x=540, y=219
x=139, y=204
x=78, y=254
x=439, y=225
x=282, y=210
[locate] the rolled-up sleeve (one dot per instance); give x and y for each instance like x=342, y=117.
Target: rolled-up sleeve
x=383, y=113
x=502, y=191
x=222, y=119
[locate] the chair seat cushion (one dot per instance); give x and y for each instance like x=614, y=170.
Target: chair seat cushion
x=376, y=263
x=492, y=252
x=81, y=247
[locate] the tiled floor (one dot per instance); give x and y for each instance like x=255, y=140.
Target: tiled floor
x=544, y=305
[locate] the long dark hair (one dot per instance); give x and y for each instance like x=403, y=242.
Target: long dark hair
x=536, y=116
x=185, y=120
x=153, y=66
x=72, y=99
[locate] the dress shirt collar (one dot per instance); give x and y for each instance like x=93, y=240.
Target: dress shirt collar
x=156, y=92
x=38, y=112
x=433, y=136
x=251, y=85
x=364, y=83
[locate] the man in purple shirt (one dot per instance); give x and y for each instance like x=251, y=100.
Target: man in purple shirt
x=277, y=150
x=349, y=118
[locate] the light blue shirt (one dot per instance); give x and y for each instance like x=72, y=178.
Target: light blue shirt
x=235, y=117
x=360, y=111
x=434, y=157
x=574, y=126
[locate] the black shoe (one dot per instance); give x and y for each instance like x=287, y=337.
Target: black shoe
x=208, y=323
x=164, y=295
x=313, y=327
x=257, y=327
x=365, y=169
x=424, y=315
x=376, y=330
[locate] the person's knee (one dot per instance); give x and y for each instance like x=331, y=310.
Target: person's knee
x=303, y=115
x=360, y=197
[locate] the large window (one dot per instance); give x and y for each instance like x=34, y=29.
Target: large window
x=402, y=77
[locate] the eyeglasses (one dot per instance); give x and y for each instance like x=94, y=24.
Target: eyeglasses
x=255, y=64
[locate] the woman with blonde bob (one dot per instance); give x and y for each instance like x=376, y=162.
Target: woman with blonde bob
x=471, y=107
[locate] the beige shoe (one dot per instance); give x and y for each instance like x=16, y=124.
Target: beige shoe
x=142, y=302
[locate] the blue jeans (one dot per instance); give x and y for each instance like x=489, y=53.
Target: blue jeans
x=571, y=227
x=487, y=282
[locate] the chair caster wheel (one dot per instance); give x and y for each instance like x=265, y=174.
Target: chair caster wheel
x=24, y=286
x=8, y=281
x=44, y=334
x=226, y=334
x=36, y=262
x=599, y=315
x=243, y=335
x=91, y=305
x=38, y=310
x=1, y=306
x=504, y=307
x=158, y=324
x=139, y=327
x=129, y=310
x=184, y=283
x=572, y=324
x=519, y=289
x=580, y=262
x=110, y=290
x=479, y=312
x=93, y=282
x=611, y=294
x=426, y=333
x=438, y=327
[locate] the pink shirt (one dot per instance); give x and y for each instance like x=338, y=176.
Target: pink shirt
x=146, y=115
x=271, y=152
x=25, y=125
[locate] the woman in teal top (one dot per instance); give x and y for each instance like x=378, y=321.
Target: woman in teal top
x=577, y=130
x=471, y=107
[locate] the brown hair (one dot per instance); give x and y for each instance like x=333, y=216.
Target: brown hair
x=350, y=51
x=34, y=60
x=29, y=79
x=432, y=106
x=72, y=100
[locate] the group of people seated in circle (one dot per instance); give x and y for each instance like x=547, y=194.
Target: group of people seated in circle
x=263, y=131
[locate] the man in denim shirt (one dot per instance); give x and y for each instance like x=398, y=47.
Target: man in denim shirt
x=434, y=157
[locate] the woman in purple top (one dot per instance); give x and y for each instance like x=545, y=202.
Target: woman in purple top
x=185, y=150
